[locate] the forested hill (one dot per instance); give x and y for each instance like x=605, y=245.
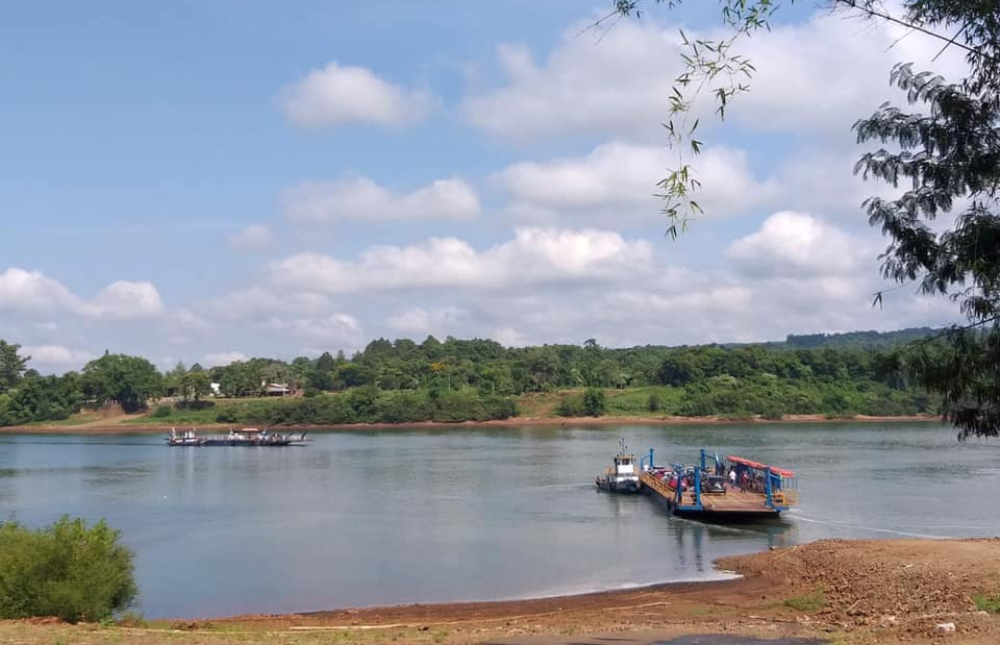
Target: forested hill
x=454, y=380
x=855, y=339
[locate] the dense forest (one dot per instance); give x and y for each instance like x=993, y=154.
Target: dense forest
x=457, y=380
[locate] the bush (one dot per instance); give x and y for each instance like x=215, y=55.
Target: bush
x=226, y=415
x=570, y=405
x=594, y=403
x=654, y=403
x=68, y=570
x=163, y=411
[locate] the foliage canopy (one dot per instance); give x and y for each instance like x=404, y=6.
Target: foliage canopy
x=70, y=570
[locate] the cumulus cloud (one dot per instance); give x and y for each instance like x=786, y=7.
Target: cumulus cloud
x=617, y=180
x=222, y=358
x=341, y=94
x=56, y=356
x=798, y=245
x=252, y=238
x=534, y=256
x=33, y=291
x=619, y=84
x=855, y=57
x=124, y=300
x=360, y=198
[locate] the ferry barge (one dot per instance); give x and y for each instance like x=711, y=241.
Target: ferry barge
x=734, y=489
x=244, y=437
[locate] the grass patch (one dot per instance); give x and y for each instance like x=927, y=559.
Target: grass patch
x=808, y=602
x=990, y=604
x=635, y=401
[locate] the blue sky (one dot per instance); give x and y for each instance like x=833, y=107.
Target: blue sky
x=203, y=181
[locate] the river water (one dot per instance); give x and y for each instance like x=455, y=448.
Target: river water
x=401, y=516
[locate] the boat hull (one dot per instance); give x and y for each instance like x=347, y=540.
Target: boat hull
x=715, y=509
x=624, y=488
x=230, y=442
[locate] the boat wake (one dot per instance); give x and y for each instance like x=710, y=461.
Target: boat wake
x=858, y=527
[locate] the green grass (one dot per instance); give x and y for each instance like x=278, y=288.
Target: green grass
x=990, y=604
x=635, y=401
x=808, y=602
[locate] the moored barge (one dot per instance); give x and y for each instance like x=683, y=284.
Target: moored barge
x=734, y=489
x=243, y=437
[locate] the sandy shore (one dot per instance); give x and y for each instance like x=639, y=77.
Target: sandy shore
x=116, y=427
x=853, y=592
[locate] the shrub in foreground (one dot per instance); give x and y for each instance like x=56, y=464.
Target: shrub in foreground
x=69, y=570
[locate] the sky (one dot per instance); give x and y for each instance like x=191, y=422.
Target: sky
x=210, y=181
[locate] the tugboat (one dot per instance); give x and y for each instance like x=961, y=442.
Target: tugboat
x=623, y=477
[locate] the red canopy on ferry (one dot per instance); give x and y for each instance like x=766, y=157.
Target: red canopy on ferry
x=759, y=466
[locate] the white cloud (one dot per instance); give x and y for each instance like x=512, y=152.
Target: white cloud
x=417, y=320
x=617, y=84
x=33, y=291
x=617, y=180
x=798, y=245
x=508, y=337
x=222, y=358
x=125, y=300
x=824, y=74
x=337, y=329
x=56, y=355
x=337, y=94
x=818, y=76
x=534, y=256
x=253, y=238
x=360, y=198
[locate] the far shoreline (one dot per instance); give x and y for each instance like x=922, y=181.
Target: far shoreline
x=98, y=428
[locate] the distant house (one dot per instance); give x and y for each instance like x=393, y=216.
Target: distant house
x=216, y=389
x=277, y=389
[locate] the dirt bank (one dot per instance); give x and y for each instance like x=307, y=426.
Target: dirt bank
x=134, y=427
x=855, y=592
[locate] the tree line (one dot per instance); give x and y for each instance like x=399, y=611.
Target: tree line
x=403, y=380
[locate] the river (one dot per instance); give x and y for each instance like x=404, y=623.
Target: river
x=418, y=515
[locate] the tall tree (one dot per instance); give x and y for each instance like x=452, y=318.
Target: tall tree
x=948, y=154
x=128, y=380
x=12, y=365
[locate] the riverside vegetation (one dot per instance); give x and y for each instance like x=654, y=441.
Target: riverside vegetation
x=69, y=570
x=403, y=381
